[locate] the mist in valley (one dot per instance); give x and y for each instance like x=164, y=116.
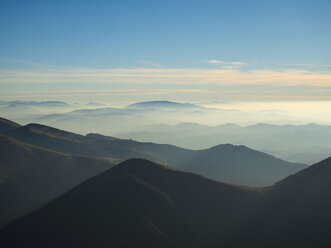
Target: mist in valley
x=295, y=131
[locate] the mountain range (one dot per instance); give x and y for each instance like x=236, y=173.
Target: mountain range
x=228, y=163
x=142, y=204
x=308, y=143
x=39, y=163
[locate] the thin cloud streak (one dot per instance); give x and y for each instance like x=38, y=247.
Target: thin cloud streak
x=146, y=62
x=215, y=61
x=226, y=64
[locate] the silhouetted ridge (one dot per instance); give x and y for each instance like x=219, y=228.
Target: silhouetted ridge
x=6, y=125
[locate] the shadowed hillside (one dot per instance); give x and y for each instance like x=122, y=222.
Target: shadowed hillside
x=31, y=176
x=142, y=204
x=135, y=204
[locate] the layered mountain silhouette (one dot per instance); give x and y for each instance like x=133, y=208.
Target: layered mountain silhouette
x=228, y=163
x=38, y=163
x=30, y=176
x=142, y=204
x=308, y=143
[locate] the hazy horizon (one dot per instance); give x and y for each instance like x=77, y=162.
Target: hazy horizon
x=246, y=55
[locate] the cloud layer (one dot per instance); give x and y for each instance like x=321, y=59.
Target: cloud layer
x=186, y=76
x=186, y=84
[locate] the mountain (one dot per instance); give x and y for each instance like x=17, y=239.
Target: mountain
x=163, y=104
x=232, y=164
x=240, y=165
x=30, y=176
x=6, y=125
x=135, y=204
x=142, y=204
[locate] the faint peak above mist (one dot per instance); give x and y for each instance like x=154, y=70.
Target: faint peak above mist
x=163, y=104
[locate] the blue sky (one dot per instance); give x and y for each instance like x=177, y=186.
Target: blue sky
x=99, y=46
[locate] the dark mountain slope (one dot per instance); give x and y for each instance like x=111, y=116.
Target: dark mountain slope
x=299, y=208
x=293, y=213
x=142, y=204
x=31, y=176
x=6, y=125
x=136, y=204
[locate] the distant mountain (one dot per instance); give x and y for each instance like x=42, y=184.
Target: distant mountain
x=6, y=125
x=231, y=164
x=141, y=204
x=30, y=176
x=162, y=104
x=304, y=143
x=34, y=103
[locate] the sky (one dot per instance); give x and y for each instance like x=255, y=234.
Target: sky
x=187, y=51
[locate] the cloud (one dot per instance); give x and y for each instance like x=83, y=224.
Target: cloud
x=226, y=64
x=296, y=64
x=146, y=62
x=215, y=61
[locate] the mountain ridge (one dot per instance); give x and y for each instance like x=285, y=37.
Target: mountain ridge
x=217, y=162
